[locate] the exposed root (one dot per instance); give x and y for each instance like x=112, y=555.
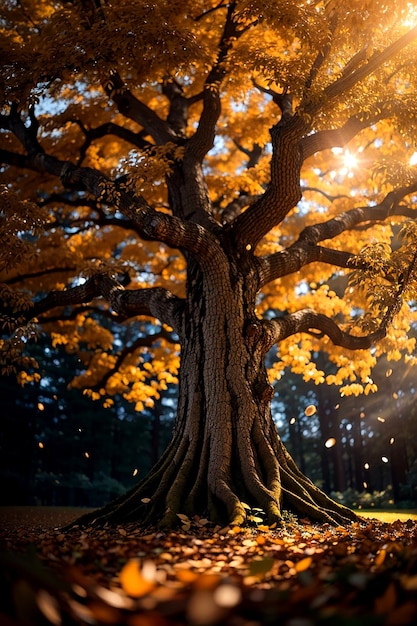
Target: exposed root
x=266, y=477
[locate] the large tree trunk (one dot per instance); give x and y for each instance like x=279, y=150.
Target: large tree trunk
x=225, y=448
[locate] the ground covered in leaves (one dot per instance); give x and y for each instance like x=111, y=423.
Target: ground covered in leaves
x=200, y=575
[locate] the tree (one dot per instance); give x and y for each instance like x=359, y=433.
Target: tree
x=187, y=162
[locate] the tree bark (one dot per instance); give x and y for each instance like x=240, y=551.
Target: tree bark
x=225, y=449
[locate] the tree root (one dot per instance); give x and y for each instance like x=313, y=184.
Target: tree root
x=264, y=476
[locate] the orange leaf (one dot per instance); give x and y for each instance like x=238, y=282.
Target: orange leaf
x=304, y=564
x=207, y=581
x=310, y=410
x=132, y=581
x=380, y=557
x=186, y=576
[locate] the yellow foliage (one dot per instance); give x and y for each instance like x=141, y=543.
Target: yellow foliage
x=23, y=378
x=63, y=59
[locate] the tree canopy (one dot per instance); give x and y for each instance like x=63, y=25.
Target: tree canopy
x=138, y=138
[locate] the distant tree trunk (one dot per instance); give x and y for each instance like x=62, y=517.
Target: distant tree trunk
x=399, y=465
x=339, y=466
x=156, y=431
x=300, y=446
x=326, y=429
x=357, y=452
x=225, y=448
x=296, y=444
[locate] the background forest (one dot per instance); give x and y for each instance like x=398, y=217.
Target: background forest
x=57, y=447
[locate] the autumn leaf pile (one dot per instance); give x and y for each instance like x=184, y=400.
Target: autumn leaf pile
x=202, y=575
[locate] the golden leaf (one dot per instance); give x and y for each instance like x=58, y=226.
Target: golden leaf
x=132, y=581
x=303, y=565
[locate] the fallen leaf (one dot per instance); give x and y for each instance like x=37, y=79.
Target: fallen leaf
x=132, y=581
x=260, y=567
x=304, y=564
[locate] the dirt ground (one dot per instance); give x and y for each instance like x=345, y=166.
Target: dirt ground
x=46, y=517
x=38, y=517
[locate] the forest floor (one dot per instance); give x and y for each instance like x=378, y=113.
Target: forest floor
x=200, y=575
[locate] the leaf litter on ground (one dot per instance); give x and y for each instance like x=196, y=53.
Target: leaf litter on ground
x=204, y=575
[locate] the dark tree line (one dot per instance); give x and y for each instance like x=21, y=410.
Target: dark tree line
x=59, y=447
x=364, y=444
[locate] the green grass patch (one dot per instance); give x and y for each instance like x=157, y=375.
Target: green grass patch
x=389, y=516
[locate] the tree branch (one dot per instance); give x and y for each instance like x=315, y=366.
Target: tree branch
x=305, y=250
x=129, y=106
x=283, y=192
x=141, y=342
x=253, y=154
x=109, y=128
x=14, y=280
x=234, y=208
x=326, y=195
x=192, y=201
x=319, y=325
x=202, y=140
x=322, y=54
x=295, y=257
x=155, y=302
x=13, y=158
x=179, y=105
x=338, y=137
x=350, y=79
x=218, y=6
x=150, y=223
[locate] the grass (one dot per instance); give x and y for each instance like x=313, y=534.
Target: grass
x=38, y=516
x=51, y=516
x=389, y=516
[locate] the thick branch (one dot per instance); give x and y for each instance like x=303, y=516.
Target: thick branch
x=388, y=207
x=148, y=222
x=178, y=105
x=319, y=325
x=297, y=256
x=13, y=158
x=136, y=110
x=283, y=192
x=337, y=137
x=307, y=321
x=202, y=140
x=151, y=224
x=155, y=302
x=26, y=134
x=189, y=194
x=305, y=250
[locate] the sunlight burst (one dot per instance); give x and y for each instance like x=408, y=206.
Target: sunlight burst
x=350, y=161
x=411, y=19
x=413, y=159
